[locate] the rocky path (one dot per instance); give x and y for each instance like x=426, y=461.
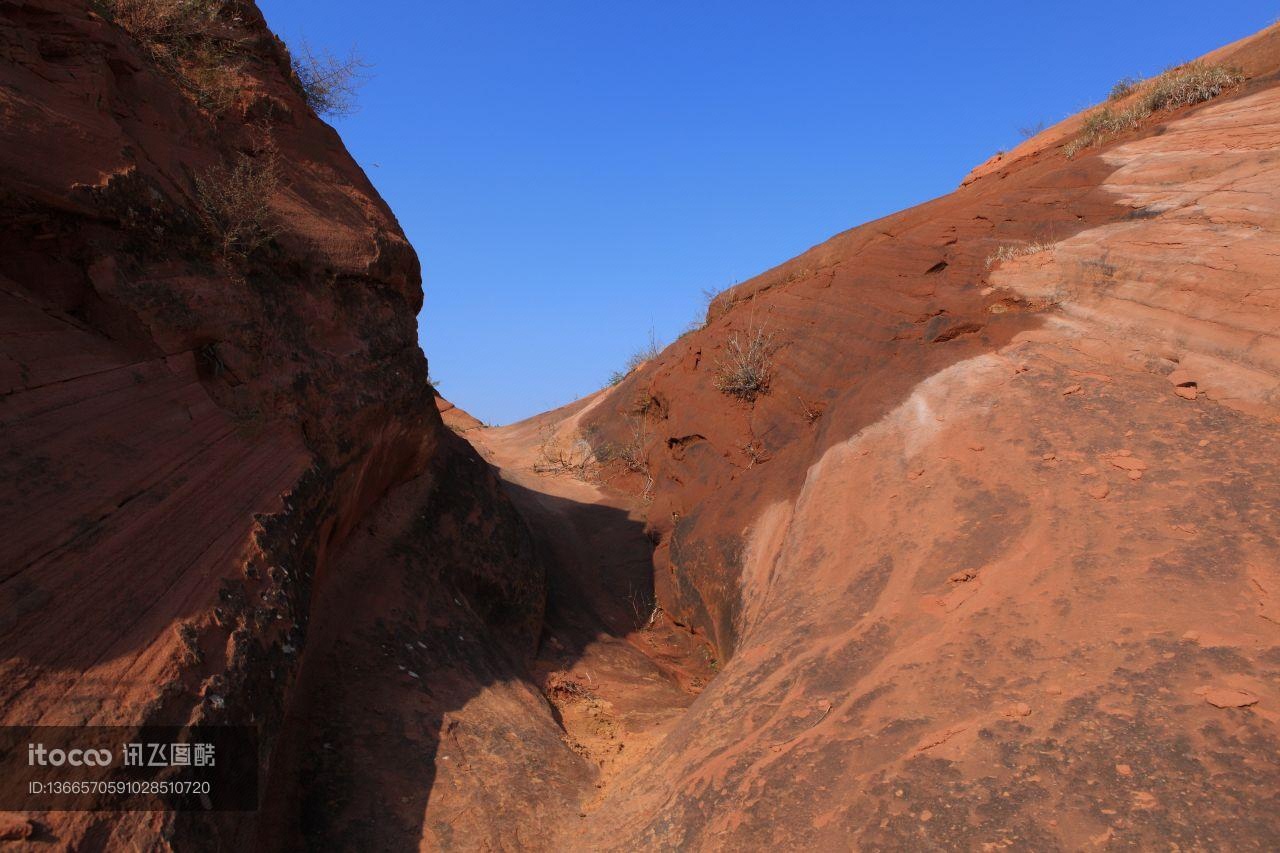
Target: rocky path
x=416, y=723
x=615, y=669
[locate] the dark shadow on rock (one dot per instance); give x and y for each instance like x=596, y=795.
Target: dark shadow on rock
x=435, y=604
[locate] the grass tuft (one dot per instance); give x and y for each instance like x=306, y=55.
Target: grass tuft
x=1182, y=86
x=1122, y=88
x=747, y=368
x=1019, y=250
x=1190, y=84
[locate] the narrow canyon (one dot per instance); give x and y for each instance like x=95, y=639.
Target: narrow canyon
x=984, y=555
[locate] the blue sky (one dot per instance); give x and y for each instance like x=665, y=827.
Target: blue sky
x=573, y=174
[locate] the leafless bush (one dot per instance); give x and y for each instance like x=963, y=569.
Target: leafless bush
x=1031, y=130
x=756, y=452
x=235, y=202
x=709, y=295
x=647, y=353
x=811, y=409
x=747, y=367
x=561, y=455
x=1011, y=251
x=1123, y=87
x=634, y=454
x=644, y=606
x=329, y=84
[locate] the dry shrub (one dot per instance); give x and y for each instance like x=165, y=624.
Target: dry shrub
x=1124, y=86
x=811, y=410
x=164, y=21
x=747, y=368
x=632, y=452
x=1103, y=124
x=634, y=455
x=557, y=455
x=1020, y=250
x=1190, y=84
x=709, y=295
x=212, y=73
x=564, y=686
x=644, y=606
x=235, y=202
x=329, y=85
x=1031, y=130
x=756, y=451
x=1183, y=86
x=637, y=358
x=179, y=35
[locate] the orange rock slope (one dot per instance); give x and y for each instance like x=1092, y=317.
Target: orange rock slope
x=994, y=562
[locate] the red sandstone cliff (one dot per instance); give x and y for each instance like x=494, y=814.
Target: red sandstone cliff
x=192, y=435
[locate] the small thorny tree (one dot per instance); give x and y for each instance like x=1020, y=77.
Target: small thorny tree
x=329, y=84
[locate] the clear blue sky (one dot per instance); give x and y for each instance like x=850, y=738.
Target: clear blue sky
x=575, y=173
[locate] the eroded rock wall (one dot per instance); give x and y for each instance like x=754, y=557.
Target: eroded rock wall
x=196, y=413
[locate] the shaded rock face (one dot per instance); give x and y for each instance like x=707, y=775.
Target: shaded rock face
x=195, y=424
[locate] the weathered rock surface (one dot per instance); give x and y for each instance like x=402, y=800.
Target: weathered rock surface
x=972, y=551
x=192, y=440
x=991, y=562
x=454, y=418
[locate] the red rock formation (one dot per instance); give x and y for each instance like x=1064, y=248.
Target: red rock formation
x=993, y=561
x=454, y=418
x=990, y=559
x=191, y=436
